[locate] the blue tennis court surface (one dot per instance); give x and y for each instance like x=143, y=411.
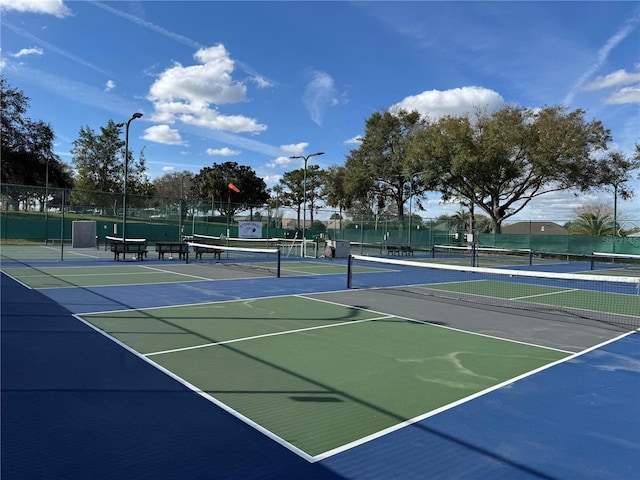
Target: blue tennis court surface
x=76, y=404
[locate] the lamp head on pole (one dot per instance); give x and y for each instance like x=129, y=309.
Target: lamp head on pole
x=133, y=117
x=306, y=157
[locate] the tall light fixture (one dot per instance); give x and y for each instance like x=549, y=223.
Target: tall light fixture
x=126, y=174
x=410, y=177
x=304, y=205
x=615, y=214
x=46, y=205
x=181, y=205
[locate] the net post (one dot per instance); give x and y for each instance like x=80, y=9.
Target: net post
x=593, y=261
x=433, y=251
x=278, y=267
x=474, y=254
x=530, y=257
x=349, y=271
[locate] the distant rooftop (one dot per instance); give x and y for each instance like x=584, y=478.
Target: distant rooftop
x=534, y=228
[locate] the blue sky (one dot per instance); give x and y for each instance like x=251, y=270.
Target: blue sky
x=258, y=82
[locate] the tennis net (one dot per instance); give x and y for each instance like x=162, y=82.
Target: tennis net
x=621, y=263
x=610, y=299
x=455, y=253
x=236, y=242
x=477, y=256
x=288, y=247
x=265, y=259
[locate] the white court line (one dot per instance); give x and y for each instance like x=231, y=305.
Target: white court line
x=15, y=279
x=61, y=275
x=444, y=408
x=205, y=395
x=433, y=324
x=174, y=273
x=210, y=302
x=57, y=250
x=274, y=334
x=291, y=447
x=83, y=254
x=546, y=294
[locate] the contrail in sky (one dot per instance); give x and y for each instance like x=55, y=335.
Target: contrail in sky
x=143, y=23
x=603, y=54
x=174, y=36
x=53, y=48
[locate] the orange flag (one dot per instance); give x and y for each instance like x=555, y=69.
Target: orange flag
x=234, y=188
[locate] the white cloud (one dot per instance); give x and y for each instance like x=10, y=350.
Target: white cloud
x=188, y=94
x=357, y=140
x=261, y=82
x=603, y=55
x=110, y=85
x=271, y=180
x=163, y=134
x=294, y=148
x=435, y=104
x=281, y=162
x=168, y=168
x=257, y=78
x=625, y=95
x=209, y=82
x=619, y=77
x=222, y=152
x=291, y=150
x=213, y=120
x=319, y=93
x=28, y=51
x=49, y=7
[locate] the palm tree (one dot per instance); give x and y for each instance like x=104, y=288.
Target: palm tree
x=459, y=222
x=593, y=224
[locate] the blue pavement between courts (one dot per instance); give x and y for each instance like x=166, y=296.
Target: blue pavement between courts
x=76, y=405
x=100, y=299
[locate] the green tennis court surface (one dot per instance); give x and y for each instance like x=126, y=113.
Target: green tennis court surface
x=315, y=374
x=548, y=295
x=55, y=277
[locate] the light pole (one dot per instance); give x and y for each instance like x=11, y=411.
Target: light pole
x=410, y=177
x=126, y=174
x=181, y=206
x=304, y=205
x=615, y=215
x=46, y=205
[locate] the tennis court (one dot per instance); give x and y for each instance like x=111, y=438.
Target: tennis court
x=207, y=370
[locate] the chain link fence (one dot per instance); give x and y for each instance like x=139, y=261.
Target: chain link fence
x=31, y=214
